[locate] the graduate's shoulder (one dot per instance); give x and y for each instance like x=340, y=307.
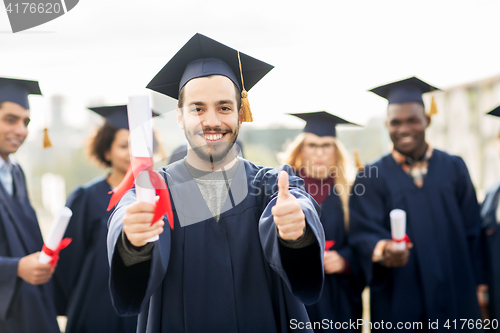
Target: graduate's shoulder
x=171, y=167
x=250, y=167
x=93, y=188
x=379, y=161
x=493, y=189
x=376, y=167
x=269, y=174
x=96, y=184
x=16, y=167
x=256, y=174
x=447, y=158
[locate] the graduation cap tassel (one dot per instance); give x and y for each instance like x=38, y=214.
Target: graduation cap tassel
x=433, y=110
x=247, y=112
x=357, y=161
x=46, y=140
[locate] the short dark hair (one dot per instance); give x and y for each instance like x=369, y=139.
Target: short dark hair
x=180, y=100
x=100, y=144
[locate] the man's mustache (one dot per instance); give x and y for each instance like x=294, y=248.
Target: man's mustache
x=214, y=130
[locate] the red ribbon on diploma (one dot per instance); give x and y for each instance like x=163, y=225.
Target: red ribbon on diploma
x=55, y=253
x=163, y=205
x=329, y=244
x=404, y=239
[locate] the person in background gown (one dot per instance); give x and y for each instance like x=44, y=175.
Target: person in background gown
x=320, y=159
x=26, y=302
x=490, y=214
x=438, y=278
x=82, y=291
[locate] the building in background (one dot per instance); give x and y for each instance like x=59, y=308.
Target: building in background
x=462, y=127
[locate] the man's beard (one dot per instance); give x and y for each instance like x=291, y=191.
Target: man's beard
x=214, y=153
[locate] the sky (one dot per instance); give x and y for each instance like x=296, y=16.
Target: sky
x=326, y=54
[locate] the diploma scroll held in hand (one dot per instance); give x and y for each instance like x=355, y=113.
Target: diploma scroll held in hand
x=147, y=182
x=398, y=229
x=54, y=243
x=141, y=146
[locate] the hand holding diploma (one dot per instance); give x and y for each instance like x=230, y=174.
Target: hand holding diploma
x=137, y=223
x=55, y=242
x=398, y=229
x=32, y=271
x=397, y=251
x=148, y=183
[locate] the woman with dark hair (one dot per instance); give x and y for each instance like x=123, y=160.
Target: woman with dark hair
x=320, y=159
x=82, y=274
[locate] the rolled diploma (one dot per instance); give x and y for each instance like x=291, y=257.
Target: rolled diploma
x=398, y=227
x=141, y=145
x=56, y=233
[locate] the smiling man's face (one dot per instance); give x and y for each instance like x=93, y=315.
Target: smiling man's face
x=14, y=120
x=406, y=124
x=210, y=117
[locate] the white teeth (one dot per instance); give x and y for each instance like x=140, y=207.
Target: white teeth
x=213, y=137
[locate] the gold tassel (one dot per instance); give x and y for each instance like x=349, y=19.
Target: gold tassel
x=433, y=110
x=247, y=112
x=357, y=160
x=46, y=140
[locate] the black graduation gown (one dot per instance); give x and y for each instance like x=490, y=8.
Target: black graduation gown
x=443, y=222
x=82, y=274
x=340, y=300
x=491, y=245
x=24, y=308
x=226, y=276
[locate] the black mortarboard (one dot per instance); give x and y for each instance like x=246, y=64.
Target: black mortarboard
x=115, y=115
x=17, y=91
x=404, y=91
x=202, y=56
x=495, y=112
x=321, y=123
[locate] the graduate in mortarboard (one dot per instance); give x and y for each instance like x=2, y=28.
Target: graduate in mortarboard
x=320, y=159
x=436, y=276
x=490, y=213
x=26, y=302
x=82, y=275
x=246, y=249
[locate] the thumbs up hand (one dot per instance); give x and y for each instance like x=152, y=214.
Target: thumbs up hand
x=287, y=213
